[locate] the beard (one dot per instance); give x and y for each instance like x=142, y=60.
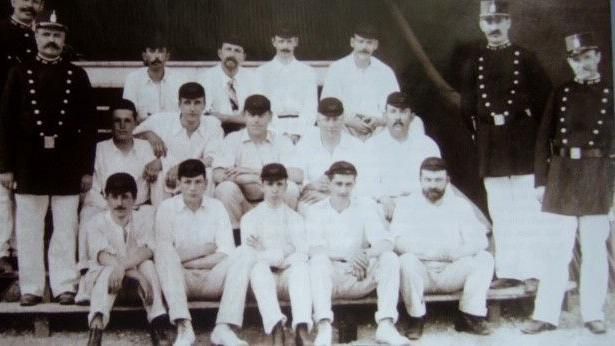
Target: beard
x=433, y=194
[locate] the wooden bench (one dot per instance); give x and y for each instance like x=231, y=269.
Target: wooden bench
x=347, y=323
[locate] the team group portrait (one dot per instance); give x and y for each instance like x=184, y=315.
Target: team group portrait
x=286, y=172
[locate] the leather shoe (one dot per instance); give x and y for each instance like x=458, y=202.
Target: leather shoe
x=95, y=338
x=415, y=328
x=66, y=298
x=278, y=335
x=302, y=337
x=596, y=327
x=535, y=327
x=29, y=300
x=158, y=331
x=472, y=324
x=5, y=265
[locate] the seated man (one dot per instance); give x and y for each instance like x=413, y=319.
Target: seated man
x=178, y=137
x=245, y=152
x=388, y=175
x=122, y=153
x=196, y=258
x=319, y=148
x=442, y=246
x=277, y=234
x=351, y=256
x=120, y=240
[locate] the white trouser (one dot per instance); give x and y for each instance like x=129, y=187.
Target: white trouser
x=236, y=204
x=593, y=234
x=333, y=279
x=102, y=301
x=472, y=274
x=228, y=280
x=517, y=219
x=85, y=215
x=30, y=229
x=6, y=221
x=290, y=283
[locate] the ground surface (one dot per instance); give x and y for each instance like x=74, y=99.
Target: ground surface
x=129, y=329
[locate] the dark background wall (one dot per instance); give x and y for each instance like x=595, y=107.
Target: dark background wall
x=117, y=30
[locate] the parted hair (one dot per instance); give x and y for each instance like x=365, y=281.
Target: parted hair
x=119, y=183
x=191, y=168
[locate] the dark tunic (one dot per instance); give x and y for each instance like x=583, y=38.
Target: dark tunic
x=503, y=92
x=579, y=119
x=16, y=44
x=47, y=127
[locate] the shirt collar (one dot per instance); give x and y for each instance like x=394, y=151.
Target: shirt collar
x=47, y=61
x=181, y=206
x=246, y=138
x=499, y=47
x=117, y=150
x=178, y=128
x=117, y=227
x=21, y=24
x=148, y=79
x=592, y=81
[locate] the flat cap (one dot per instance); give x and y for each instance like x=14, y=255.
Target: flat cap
x=398, y=99
x=493, y=8
x=578, y=43
x=49, y=20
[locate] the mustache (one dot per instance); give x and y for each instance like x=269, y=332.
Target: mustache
x=364, y=51
x=156, y=61
x=285, y=50
x=495, y=32
x=52, y=45
x=398, y=122
x=230, y=58
x=28, y=9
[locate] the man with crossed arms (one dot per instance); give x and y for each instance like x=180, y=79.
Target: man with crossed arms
x=351, y=256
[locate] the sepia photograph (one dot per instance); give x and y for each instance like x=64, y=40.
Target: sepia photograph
x=307, y=172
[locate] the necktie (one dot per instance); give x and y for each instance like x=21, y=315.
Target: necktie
x=232, y=95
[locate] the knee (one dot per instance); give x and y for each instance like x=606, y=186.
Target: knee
x=389, y=260
x=260, y=270
x=320, y=262
x=484, y=259
x=244, y=256
x=226, y=190
x=409, y=263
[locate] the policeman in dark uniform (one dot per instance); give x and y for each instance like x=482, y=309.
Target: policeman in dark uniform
x=16, y=44
x=504, y=90
x=574, y=152
x=47, y=142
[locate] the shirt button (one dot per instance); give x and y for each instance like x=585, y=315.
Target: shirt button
x=517, y=53
x=481, y=59
x=62, y=112
x=566, y=90
x=29, y=71
x=69, y=72
x=604, y=100
x=482, y=86
x=564, y=99
x=506, y=113
x=32, y=91
x=480, y=76
x=60, y=123
x=41, y=134
x=606, y=91
x=562, y=120
x=515, y=82
x=26, y=35
x=563, y=130
x=516, y=62
x=65, y=101
x=67, y=91
x=39, y=123
x=36, y=111
x=603, y=111
x=480, y=68
x=510, y=102
x=484, y=96
x=564, y=141
x=28, y=51
x=513, y=91
x=33, y=102
x=596, y=131
x=487, y=104
x=590, y=142
x=492, y=114
x=563, y=109
x=31, y=81
x=68, y=81
x=516, y=73
x=600, y=122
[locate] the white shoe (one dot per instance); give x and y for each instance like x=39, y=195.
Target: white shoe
x=324, y=336
x=224, y=335
x=387, y=334
x=185, y=334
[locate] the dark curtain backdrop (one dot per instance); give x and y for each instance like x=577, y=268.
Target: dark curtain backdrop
x=118, y=29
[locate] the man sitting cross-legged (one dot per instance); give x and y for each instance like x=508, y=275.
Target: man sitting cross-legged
x=196, y=257
x=277, y=234
x=351, y=256
x=442, y=247
x=120, y=241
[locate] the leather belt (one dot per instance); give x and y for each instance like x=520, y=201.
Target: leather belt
x=287, y=116
x=576, y=153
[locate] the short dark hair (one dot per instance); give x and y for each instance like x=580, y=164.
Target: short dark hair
x=341, y=167
x=191, y=90
x=433, y=164
x=119, y=183
x=191, y=168
x=231, y=38
x=273, y=172
x=124, y=104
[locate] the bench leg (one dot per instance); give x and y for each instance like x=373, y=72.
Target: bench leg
x=567, y=302
x=494, y=311
x=41, y=326
x=347, y=330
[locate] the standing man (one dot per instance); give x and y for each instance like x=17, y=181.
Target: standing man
x=153, y=89
x=47, y=143
x=442, y=247
x=351, y=255
x=277, y=235
x=362, y=82
x=574, y=177
x=504, y=92
x=290, y=85
x=228, y=84
x=390, y=176
x=16, y=44
x=121, y=241
x=245, y=152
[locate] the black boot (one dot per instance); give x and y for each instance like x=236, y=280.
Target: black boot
x=95, y=338
x=158, y=331
x=278, y=335
x=472, y=324
x=415, y=328
x=302, y=337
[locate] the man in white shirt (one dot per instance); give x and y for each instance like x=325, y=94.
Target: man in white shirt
x=177, y=137
x=121, y=153
x=237, y=169
x=290, y=85
x=351, y=256
x=277, y=234
x=395, y=154
x=228, y=84
x=362, y=82
x=153, y=88
x=196, y=258
x=442, y=246
x=120, y=242
x=321, y=147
